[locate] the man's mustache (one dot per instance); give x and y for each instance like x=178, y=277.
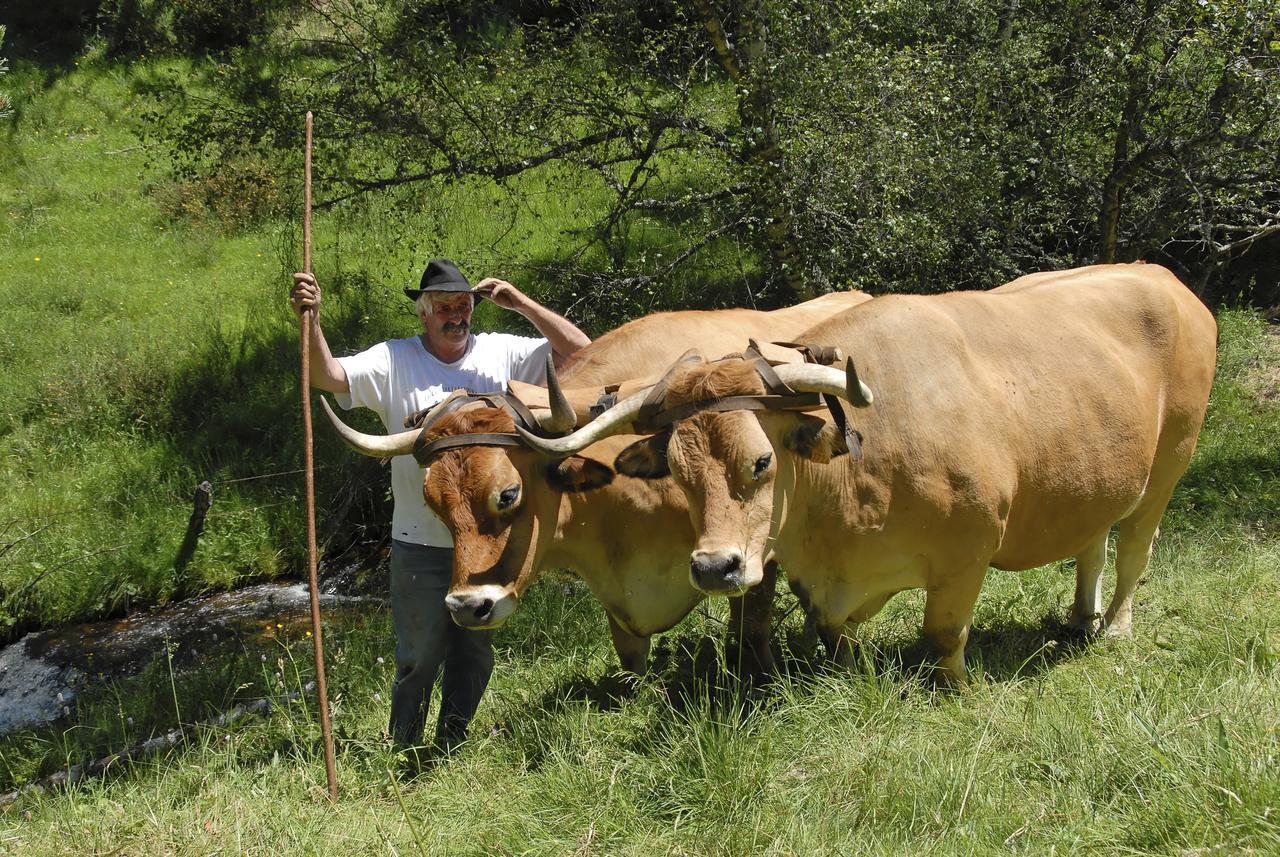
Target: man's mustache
x=451, y=326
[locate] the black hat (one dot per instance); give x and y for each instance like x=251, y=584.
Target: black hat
x=441, y=276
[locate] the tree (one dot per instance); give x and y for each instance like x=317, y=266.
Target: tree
x=6, y=106
x=887, y=145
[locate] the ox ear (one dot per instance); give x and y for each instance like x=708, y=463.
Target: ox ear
x=575, y=473
x=646, y=458
x=815, y=439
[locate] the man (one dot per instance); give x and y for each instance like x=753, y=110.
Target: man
x=397, y=378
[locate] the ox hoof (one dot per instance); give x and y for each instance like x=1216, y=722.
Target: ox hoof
x=1118, y=632
x=1087, y=626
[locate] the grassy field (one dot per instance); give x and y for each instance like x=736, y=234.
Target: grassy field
x=122, y=329
x=146, y=344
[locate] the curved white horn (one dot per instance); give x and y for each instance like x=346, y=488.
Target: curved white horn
x=616, y=420
x=811, y=378
x=373, y=445
x=562, y=416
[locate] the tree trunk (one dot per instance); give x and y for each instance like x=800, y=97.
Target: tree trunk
x=762, y=152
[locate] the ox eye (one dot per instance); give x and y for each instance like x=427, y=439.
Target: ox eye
x=761, y=465
x=508, y=497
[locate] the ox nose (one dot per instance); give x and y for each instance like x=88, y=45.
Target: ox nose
x=717, y=572
x=469, y=610
x=486, y=607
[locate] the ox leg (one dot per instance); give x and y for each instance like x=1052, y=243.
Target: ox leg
x=948, y=612
x=1086, y=615
x=809, y=634
x=633, y=651
x=1133, y=551
x=841, y=639
x=750, y=625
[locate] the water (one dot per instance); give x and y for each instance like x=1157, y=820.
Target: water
x=41, y=674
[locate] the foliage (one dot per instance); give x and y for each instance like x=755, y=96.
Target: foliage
x=51, y=29
x=889, y=145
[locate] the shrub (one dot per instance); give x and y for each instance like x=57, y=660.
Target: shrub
x=234, y=194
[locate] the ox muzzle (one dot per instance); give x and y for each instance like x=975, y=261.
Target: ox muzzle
x=719, y=572
x=481, y=607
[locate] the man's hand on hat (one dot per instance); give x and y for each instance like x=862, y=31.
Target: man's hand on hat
x=502, y=293
x=305, y=294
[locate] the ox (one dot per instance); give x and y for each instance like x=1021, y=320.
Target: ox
x=512, y=514
x=1009, y=428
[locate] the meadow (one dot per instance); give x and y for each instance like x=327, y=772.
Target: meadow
x=146, y=346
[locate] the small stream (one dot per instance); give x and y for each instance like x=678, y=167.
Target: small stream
x=41, y=674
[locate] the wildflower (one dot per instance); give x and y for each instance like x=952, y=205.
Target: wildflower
x=308, y=633
x=60, y=697
x=129, y=720
x=381, y=661
x=37, y=258
x=377, y=697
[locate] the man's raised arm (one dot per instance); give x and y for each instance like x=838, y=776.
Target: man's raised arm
x=565, y=338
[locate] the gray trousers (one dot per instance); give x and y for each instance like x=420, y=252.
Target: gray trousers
x=426, y=639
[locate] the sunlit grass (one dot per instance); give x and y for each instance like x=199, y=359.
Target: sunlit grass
x=1160, y=744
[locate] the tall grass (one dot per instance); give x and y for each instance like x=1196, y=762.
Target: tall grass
x=1162, y=744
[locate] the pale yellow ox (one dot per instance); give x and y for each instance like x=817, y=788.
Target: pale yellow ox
x=513, y=514
x=1009, y=428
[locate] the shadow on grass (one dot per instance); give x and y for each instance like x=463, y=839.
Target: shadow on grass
x=1003, y=651
x=690, y=673
x=233, y=416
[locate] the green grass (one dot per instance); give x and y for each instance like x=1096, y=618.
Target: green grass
x=121, y=390
x=1162, y=744
x=103, y=299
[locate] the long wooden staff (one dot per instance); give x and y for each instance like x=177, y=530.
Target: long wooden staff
x=326, y=732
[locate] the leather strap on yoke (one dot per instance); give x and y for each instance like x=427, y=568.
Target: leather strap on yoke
x=653, y=418
x=519, y=412
x=666, y=418
x=424, y=453
x=824, y=355
x=607, y=400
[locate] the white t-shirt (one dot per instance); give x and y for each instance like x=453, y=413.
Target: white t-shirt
x=399, y=377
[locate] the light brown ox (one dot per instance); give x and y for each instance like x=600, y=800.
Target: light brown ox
x=512, y=514
x=1009, y=428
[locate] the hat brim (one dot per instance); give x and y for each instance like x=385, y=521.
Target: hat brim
x=446, y=289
